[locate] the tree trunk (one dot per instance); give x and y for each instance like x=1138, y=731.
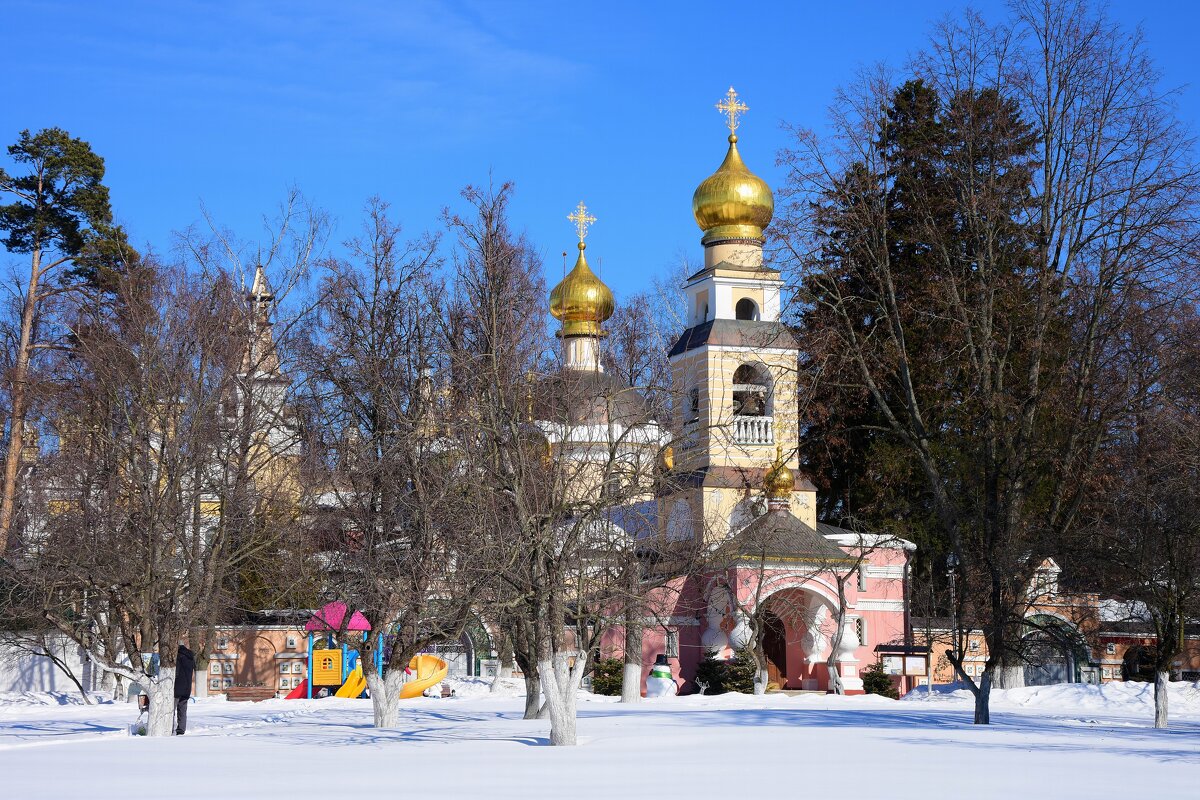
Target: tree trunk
x=560, y=681
x=835, y=684
x=1008, y=675
x=161, y=690
x=1160, y=698
x=385, y=697
x=505, y=668
x=631, y=683
x=761, y=677
x=533, y=694
x=835, y=678
x=983, y=698
x=201, y=679
x=631, y=673
x=19, y=400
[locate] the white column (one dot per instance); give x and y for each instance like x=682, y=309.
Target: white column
x=582, y=352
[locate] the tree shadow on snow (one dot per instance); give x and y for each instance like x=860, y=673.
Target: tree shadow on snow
x=1079, y=733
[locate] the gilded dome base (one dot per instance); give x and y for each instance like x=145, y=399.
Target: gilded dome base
x=735, y=234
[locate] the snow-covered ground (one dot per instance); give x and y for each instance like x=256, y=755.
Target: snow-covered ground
x=1061, y=742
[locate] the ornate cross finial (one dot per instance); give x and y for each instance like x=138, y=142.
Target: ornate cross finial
x=732, y=108
x=582, y=219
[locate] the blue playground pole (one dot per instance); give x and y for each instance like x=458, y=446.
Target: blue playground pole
x=308, y=683
x=379, y=655
x=345, y=663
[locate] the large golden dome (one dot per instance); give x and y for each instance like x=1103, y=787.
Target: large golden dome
x=733, y=202
x=581, y=300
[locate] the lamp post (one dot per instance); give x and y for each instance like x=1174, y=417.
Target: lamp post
x=952, y=574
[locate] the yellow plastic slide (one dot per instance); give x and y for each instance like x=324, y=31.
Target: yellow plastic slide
x=427, y=670
x=354, y=685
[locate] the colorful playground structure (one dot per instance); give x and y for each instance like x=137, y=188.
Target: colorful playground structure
x=336, y=669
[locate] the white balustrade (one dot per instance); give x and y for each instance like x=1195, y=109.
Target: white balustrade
x=754, y=430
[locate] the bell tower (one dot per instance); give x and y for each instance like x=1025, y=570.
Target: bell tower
x=735, y=367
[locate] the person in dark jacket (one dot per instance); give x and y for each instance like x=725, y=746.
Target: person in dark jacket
x=185, y=668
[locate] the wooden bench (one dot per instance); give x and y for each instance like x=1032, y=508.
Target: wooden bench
x=252, y=694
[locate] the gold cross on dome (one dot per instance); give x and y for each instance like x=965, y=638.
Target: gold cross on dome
x=732, y=108
x=582, y=219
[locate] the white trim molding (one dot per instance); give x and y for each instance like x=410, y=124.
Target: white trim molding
x=879, y=605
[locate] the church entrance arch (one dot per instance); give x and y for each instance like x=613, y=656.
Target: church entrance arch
x=796, y=637
x=775, y=649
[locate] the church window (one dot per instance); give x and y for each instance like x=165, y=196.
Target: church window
x=1110, y=649
x=862, y=578
x=672, y=644
x=694, y=404
x=750, y=391
x=860, y=628
x=746, y=309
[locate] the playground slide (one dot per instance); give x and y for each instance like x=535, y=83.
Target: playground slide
x=353, y=686
x=427, y=670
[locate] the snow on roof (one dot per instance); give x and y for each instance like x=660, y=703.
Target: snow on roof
x=1123, y=611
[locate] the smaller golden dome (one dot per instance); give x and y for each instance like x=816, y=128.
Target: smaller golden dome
x=779, y=480
x=666, y=459
x=733, y=202
x=581, y=300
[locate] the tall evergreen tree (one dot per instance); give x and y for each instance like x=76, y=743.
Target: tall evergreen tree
x=59, y=214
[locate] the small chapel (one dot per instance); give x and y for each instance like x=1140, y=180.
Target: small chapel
x=783, y=577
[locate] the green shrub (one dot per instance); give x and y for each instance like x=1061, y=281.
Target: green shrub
x=721, y=676
x=606, y=676
x=876, y=681
x=710, y=673
x=741, y=670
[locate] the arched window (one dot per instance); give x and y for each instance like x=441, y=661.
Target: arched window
x=751, y=391
x=746, y=309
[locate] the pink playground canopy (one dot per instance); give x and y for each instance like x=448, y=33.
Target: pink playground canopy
x=330, y=618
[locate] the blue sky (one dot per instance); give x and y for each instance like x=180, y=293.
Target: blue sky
x=224, y=105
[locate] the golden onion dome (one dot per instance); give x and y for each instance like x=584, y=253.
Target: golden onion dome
x=581, y=300
x=733, y=202
x=779, y=481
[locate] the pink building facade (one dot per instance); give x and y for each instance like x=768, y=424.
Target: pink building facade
x=797, y=604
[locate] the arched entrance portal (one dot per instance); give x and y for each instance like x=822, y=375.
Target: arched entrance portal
x=795, y=639
x=775, y=649
x=1054, y=651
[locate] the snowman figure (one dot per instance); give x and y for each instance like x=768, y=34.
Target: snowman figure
x=660, y=683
